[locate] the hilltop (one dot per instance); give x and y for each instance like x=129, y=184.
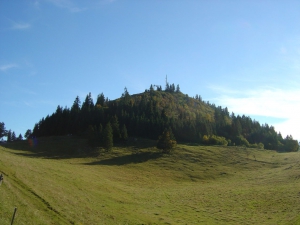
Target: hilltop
x=148, y=114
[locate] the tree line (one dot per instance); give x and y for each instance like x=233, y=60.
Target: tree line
x=11, y=135
x=150, y=113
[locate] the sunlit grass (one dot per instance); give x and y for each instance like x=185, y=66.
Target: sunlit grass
x=138, y=185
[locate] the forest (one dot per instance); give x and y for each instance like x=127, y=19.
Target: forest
x=148, y=114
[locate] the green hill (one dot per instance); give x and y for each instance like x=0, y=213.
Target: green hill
x=136, y=184
x=148, y=114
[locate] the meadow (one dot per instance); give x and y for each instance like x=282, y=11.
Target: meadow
x=136, y=184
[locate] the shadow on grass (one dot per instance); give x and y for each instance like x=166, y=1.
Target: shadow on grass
x=53, y=148
x=53, y=155
x=64, y=147
x=128, y=159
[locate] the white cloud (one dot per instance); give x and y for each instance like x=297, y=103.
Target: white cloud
x=27, y=103
x=6, y=67
x=77, y=9
x=267, y=102
x=289, y=127
x=20, y=26
x=67, y=4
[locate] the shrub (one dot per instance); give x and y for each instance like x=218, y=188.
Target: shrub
x=166, y=141
x=214, y=140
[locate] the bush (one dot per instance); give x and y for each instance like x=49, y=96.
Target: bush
x=240, y=140
x=214, y=140
x=166, y=141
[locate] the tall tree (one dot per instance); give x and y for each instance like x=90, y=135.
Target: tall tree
x=20, y=137
x=124, y=135
x=88, y=102
x=100, y=100
x=76, y=105
x=3, y=131
x=108, y=137
x=114, y=122
x=27, y=134
x=91, y=135
x=125, y=97
x=13, y=136
x=100, y=134
x=9, y=133
x=166, y=141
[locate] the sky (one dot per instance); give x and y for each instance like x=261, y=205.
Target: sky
x=244, y=55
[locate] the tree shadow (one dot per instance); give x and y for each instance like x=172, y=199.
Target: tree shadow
x=133, y=151
x=134, y=158
x=52, y=150
x=52, y=155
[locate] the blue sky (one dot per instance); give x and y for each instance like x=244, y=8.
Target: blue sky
x=241, y=54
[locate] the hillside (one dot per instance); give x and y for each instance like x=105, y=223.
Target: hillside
x=148, y=114
x=138, y=185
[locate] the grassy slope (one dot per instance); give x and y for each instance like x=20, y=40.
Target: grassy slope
x=136, y=185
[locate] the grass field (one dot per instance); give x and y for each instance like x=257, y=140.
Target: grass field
x=137, y=185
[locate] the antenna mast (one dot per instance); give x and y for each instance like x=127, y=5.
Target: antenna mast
x=166, y=80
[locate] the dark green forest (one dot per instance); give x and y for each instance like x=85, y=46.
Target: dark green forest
x=148, y=114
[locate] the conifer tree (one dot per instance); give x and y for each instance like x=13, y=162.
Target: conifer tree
x=76, y=105
x=20, y=137
x=166, y=141
x=3, y=131
x=108, y=137
x=114, y=122
x=9, y=136
x=100, y=134
x=27, y=134
x=151, y=88
x=124, y=134
x=88, y=102
x=91, y=135
x=100, y=100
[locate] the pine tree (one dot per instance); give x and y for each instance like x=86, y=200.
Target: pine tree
x=9, y=139
x=166, y=141
x=3, y=131
x=88, y=102
x=114, y=122
x=151, y=88
x=91, y=135
x=108, y=137
x=13, y=136
x=100, y=134
x=20, y=137
x=100, y=100
x=76, y=105
x=27, y=134
x=124, y=134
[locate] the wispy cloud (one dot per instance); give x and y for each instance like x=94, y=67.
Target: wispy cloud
x=20, y=26
x=67, y=4
x=28, y=103
x=110, y=1
x=77, y=9
x=6, y=67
